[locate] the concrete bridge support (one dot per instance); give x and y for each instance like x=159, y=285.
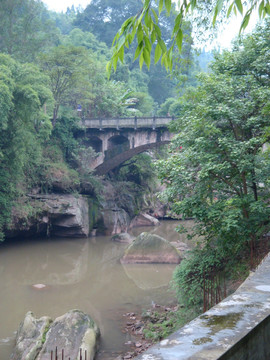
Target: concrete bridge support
x=116, y=146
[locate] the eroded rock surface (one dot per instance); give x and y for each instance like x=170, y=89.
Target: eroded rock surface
x=144, y=220
x=151, y=249
x=30, y=337
x=74, y=331
x=55, y=214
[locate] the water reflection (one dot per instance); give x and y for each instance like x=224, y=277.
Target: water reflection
x=78, y=273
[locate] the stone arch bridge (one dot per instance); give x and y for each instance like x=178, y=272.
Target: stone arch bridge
x=117, y=140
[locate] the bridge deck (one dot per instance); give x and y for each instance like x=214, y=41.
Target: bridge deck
x=129, y=123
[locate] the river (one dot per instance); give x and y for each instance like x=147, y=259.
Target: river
x=83, y=274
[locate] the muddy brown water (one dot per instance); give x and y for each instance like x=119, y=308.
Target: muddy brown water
x=81, y=274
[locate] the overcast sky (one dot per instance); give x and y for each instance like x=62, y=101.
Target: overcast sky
x=62, y=5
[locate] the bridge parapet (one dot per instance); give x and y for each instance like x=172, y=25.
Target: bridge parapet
x=128, y=123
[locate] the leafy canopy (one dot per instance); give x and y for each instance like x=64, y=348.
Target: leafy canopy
x=145, y=27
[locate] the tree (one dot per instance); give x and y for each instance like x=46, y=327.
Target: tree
x=218, y=172
x=145, y=26
x=67, y=68
x=104, y=17
x=25, y=28
x=24, y=127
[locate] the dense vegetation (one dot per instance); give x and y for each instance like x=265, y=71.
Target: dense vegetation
x=218, y=170
x=52, y=64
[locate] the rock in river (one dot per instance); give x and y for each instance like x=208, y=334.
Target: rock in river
x=144, y=220
x=151, y=249
x=122, y=238
x=75, y=330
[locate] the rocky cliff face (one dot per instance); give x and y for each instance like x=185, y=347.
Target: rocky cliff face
x=67, y=215
x=54, y=214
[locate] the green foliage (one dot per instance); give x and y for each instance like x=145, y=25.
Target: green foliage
x=144, y=26
x=24, y=127
x=138, y=170
x=25, y=29
x=217, y=172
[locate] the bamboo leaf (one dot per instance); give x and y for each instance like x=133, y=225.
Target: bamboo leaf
x=155, y=15
x=140, y=34
x=160, y=6
x=179, y=39
x=121, y=54
x=239, y=6
x=146, y=57
x=230, y=10
x=261, y=8
x=138, y=50
x=168, y=5
x=141, y=60
x=217, y=10
x=158, y=53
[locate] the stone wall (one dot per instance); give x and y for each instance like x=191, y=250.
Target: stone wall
x=238, y=328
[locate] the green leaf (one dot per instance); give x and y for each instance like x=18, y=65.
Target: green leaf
x=168, y=5
x=147, y=57
x=179, y=39
x=217, y=10
x=121, y=53
x=239, y=6
x=141, y=60
x=158, y=53
x=261, y=8
x=162, y=45
x=245, y=21
x=160, y=6
x=177, y=23
x=155, y=15
x=140, y=34
x=138, y=50
x=230, y=10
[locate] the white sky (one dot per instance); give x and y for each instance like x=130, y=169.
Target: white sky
x=62, y=5
x=224, y=39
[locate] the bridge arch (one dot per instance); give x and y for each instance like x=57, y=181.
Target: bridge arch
x=116, y=160
x=116, y=144
x=95, y=142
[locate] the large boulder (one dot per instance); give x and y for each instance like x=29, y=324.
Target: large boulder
x=144, y=220
x=151, y=249
x=74, y=333
x=30, y=337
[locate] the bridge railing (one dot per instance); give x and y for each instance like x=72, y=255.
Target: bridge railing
x=130, y=123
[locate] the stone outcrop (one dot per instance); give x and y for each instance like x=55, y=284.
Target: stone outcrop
x=144, y=220
x=54, y=214
x=30, y=337
x=74, y=331
x=150, y=249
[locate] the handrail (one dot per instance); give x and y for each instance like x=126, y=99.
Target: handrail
x=128, y=122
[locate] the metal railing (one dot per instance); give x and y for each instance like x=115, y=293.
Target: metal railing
x=60, y=355
x=130, y=123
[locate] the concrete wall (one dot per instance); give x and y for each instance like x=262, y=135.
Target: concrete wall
x=238, y=328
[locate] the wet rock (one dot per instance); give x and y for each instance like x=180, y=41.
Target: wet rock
x=122, y=238
x=181, y=246
x=113, y=221
x=150, y=249
x=30, y=337
x=75, y=331
x=144, y=220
